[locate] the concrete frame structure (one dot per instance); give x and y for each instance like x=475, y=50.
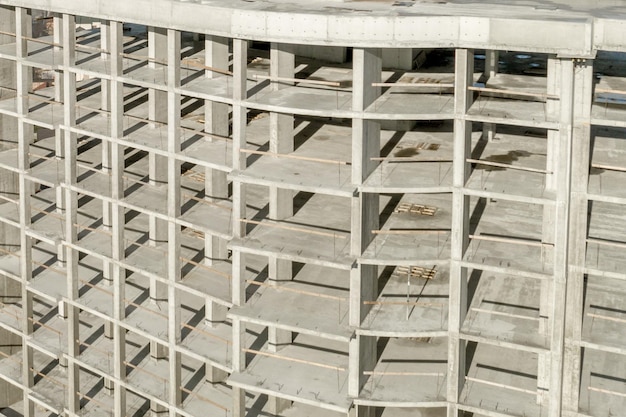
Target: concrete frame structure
x=201, y=218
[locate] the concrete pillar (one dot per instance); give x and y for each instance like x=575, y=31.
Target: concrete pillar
x=215, y=313
x=582, y=99
x=365, y=211
x=561, y=240
x=491, y=70
x=362, y=411
x=278, y=338
x=109, y=328
x=117, y=216
x=402, y=58
x=365, y=207
x=58, y=134
x=158, y=107
x=105, y=105
x=216, y=121
x=282, y=65
x=158, y=350
x=8, y=124
x=239, y=402
x=362, y=358
x=239, y=365
x=173, y=211
x=276, y=405
x=215, y=375
x=71, y=209
x=464, y=69
x=109, y=386
x=240, y=62
x=336, y=54
x=491, y=63
x=548, y=227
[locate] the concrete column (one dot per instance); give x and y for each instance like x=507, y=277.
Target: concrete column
x=117, y=216
x=365, y=207
x=491, y=70
x=362, y=358
x=239, y=402
x=276, y=405
x=71, y=208
x=158, y=350
x=58, y=134
x=105, y=105
x=216, y=121
x=215, y=375
x=491, y=63
x=24, y=136
x=8, y=124
x=240, y=62
x=109, y=329
x=282, y=65
x=157, y=111
x=173, y=211
x=561, y=241
x=582, y=99
x=365, y=210
x=215, y=313
x=401, y=58
x=548, y=220
x=239, y=365
x=158, y=107
x=464, y=69
x=278, y=338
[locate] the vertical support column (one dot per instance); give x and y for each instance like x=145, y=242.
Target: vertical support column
x=215, y=122
x=561, y=239
x=71, y=209
x=24, y=135
x=549, y=217
x=105, y=100
x=365, y=210
x=58, y=134
x=579, y=207
x=464, y=69
x=282, y=65
x=173, y=211
x=491, y=70
x=240, y=62
x=117, y=217
x=158, y=111
x=491, y=63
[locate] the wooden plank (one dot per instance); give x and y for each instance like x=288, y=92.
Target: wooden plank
x=295, y=229
x=508, y=166
x=513, y=92
x=515, y=241
x=297, y=80
x=292, y=156
x=302, y=361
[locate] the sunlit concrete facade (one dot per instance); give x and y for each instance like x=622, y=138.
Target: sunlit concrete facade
x=251, y=208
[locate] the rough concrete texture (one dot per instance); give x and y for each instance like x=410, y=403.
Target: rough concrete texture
x=338, y=208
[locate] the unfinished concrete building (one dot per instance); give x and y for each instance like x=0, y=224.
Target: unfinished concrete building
x=312, y=208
